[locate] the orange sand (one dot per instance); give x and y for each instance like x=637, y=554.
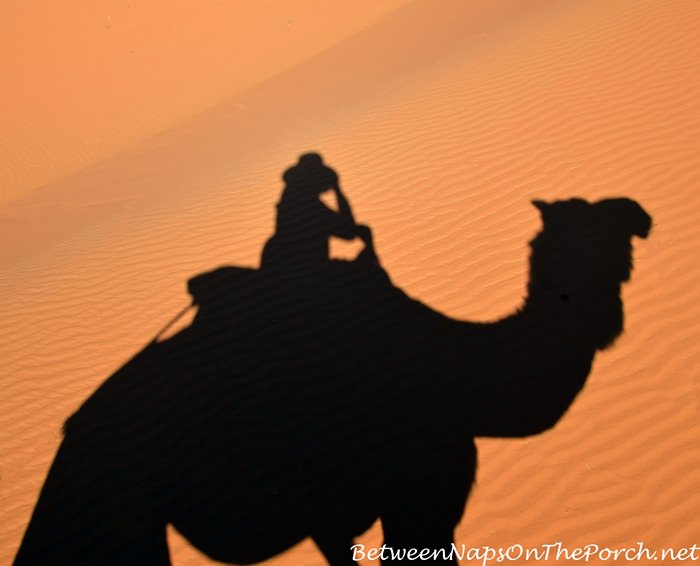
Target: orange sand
x=144, y=144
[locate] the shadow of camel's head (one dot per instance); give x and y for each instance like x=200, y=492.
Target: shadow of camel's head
x=584, y=254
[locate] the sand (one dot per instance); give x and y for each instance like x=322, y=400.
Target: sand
x=142, y=145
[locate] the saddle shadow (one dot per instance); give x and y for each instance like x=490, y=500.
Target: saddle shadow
x=311, y=397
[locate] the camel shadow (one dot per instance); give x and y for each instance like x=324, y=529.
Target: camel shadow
x=310, y=402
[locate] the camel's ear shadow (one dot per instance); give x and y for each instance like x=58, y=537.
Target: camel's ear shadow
x=542, y=206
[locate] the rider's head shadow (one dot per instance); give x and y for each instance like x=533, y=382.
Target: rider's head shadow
x=310, y=176
x=304, y=224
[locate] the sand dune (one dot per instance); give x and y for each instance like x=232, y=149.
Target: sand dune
x=443, y=120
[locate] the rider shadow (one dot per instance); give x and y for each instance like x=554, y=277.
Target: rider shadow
x=312, y=396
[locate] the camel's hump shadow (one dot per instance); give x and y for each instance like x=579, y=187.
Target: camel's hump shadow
x=312, y=402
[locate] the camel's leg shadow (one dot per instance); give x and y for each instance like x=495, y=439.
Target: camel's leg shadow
x=91, y=511
x=434, y=499
x=337, y=549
